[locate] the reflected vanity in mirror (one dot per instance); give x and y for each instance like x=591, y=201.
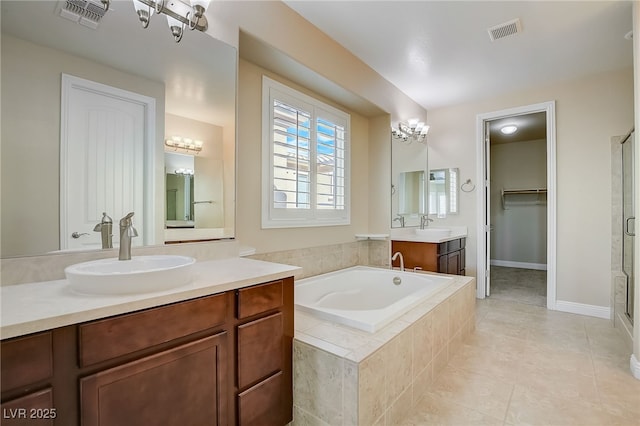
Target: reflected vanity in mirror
x=193, y=85
x=443, y=192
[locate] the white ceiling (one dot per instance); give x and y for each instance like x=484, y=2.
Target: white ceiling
x=439, y=52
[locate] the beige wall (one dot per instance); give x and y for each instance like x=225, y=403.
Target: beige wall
x=588, y=112
x=249, y=230
x=520, y=223
x=31, y=79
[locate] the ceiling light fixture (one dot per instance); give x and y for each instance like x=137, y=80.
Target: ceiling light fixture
x=509, y=129
x=180, y=15
x=414, y=130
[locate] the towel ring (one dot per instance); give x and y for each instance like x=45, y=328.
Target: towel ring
x=470, y=186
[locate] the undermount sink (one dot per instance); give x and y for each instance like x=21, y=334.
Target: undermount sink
x=435, y=233
x=141, y=274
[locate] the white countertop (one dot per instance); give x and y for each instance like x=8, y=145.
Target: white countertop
x=408, y=234
x=33, y=307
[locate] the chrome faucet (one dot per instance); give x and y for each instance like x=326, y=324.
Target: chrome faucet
x=400, y=219
x=394, y=257
x=424, y=221
x=105, y=227
x=127, y=231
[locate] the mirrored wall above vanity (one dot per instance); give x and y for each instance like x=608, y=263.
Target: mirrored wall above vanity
x=192, y=82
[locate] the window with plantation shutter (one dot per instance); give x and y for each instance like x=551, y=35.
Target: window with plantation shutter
x=305, y=173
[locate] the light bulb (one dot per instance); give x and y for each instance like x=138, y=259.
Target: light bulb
x=507, y=130
x=144, y=12
x=177, y=28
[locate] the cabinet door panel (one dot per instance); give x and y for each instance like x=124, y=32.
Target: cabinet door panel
x=260, y=298
x=260, y=347
x=453, y=263
x=26, y=360
x=35, y=409
x=262, y=404
x=186, y=385
x=113, y=337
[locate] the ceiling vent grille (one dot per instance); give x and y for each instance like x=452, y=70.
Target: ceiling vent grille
x=85, y=12
x=505, y=29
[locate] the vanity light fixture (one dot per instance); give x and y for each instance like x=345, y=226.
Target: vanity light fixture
x=184, y=172
x=180, y=14
x=413, y=130
x=509, y=129
x=188, y=144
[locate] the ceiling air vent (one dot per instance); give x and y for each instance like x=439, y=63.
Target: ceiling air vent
x=505, y=29
x=85, y=12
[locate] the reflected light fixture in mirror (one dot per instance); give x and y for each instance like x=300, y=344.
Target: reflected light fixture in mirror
x=187, y=144
x=413, y=130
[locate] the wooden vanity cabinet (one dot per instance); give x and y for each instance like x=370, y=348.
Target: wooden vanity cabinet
x=447, y=257
x=182, y=381
x=224, y=359
x=26, y=380
x=264, y=327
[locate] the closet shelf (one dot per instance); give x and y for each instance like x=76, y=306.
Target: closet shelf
x=523, y=191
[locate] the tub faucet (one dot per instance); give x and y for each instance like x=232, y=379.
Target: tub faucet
x=394, y=257
x=424, y=221
x=127, y=231
x=105, y=227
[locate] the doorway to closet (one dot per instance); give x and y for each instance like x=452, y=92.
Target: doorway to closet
x=518, y=208
x=516, y=247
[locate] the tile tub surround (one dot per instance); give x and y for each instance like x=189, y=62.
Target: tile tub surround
x=322, y=259
x=344, y=376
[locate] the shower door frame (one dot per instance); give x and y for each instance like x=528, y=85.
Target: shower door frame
x=626, y=218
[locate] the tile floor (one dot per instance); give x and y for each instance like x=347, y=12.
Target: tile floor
x=519, y=285
x=526, y=365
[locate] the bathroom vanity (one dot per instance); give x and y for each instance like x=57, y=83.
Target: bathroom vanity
x=217, y=351
x=445, y=255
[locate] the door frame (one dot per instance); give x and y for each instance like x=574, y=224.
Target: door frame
x=69, y=83
x=483, y=204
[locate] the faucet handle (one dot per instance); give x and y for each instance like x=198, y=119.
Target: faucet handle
x=131, y=231
x=126, y=221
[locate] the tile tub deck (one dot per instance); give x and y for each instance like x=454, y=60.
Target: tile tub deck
x=345, y=376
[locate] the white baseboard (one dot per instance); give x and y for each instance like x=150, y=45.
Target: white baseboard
x=583, y=309
x=635, y=366
x=522, y=265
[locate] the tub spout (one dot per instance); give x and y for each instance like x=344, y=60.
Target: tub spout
x=394, y=257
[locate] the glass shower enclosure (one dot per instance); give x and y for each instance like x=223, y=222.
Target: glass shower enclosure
x=628, y=218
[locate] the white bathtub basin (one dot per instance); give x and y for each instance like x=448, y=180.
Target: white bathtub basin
x=141, y=274
x=435, y=233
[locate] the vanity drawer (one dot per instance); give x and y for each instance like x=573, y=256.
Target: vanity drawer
x=260, y=347
x=113, y=337
x=260, y=298
x=26, y=360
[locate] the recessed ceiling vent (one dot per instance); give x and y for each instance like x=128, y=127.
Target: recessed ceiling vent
x=505, y=29
x=84, y=12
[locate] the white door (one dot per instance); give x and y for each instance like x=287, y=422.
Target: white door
x=487, y=202
x=103, y=136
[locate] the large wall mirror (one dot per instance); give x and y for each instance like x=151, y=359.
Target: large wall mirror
x=191, y=86
x=408, y=182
